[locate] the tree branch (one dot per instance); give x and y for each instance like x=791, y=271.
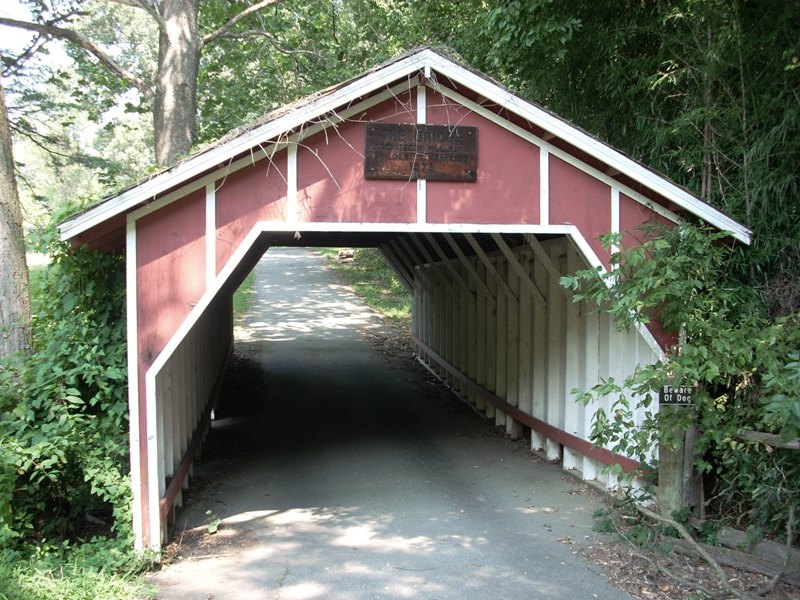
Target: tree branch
x=149, y=6
x=723, y=579
x=207, y=39
x=268, y=36
x=72, y=36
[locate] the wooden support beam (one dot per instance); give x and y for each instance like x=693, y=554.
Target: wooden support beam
x=525, y=346
x=397, y=267
x=575, y=366
x=514, y=264
x=556, y=367
x=431, y=263
x=471, y=271
x=539, y=350
x=501, y=347
x=485, y=304
x=405, y=259
x=545, y=259
x=501, y=283
x=460, y=279
x=515, y=282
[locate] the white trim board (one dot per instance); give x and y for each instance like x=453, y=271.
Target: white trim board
x=133, y=378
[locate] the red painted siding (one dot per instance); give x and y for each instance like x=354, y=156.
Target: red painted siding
x=256, y=193
x=632, y=215
x=507, y=189
x=170, y=272
x=579, y=199
x=330, y=172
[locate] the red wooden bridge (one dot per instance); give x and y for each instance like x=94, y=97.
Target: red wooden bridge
x=479, y=232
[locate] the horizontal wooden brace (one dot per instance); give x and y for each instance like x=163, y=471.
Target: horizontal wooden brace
x=573, y=442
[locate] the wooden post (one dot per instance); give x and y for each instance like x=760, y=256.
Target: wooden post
x=555, y=359
x=574, y=367
x=491, y=337
x=501, y=347
x=525, y=353
x=513, y=427
x=679, y=486
x=670, y=470
x=483, y=312
x=539, y=391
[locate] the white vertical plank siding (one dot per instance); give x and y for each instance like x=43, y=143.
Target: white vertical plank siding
x=451, y=298
x=453, y=349
x=574, y=366
x=132, y=335
x=491, y=336
x=513, y=428
x=555, y=357
x=525, y=355
x=614, y=360
x=464, y=339
x=483, y=309
x=591, y=376
x=441, y=324
x=501, y=347
x=472, y=344
x=539, y=352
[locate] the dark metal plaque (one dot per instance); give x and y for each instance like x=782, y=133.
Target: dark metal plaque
x=401, y=151
x=677, y=395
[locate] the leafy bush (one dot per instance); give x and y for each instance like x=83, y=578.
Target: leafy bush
x=743, y=362
x=63, y=410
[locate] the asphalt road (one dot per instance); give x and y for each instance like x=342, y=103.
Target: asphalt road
x=346, y=472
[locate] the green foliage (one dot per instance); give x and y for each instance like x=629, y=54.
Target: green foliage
x=213, y=522
x=243, y=297
x=705, y=91
x=63, y=410
x=743, y=362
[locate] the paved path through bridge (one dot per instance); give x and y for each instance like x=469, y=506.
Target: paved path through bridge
x=349, y=473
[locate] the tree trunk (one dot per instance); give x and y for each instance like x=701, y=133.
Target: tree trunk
x=15, y=305
x=175, y=111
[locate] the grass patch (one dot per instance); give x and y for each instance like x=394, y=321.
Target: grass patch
x=375, y=283
x=34, y=581
x=243, y=298
x=101, y=569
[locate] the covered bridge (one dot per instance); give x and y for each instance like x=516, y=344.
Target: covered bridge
x=478, y=199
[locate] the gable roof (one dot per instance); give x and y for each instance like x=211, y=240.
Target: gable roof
x=433, y=67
